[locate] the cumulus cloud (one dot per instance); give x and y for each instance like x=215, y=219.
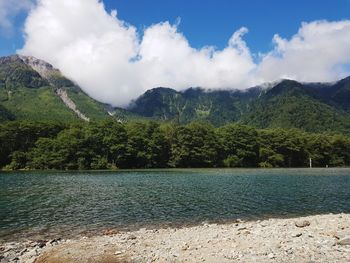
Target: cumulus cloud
x=107, y=58
x=167, y=59
x=8, y=10
x=320, y=51
x=113, y=64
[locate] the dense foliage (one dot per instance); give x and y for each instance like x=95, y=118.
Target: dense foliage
x=292, y=105
x=109, y=144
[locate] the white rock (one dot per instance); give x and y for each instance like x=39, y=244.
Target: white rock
x=344, y=241
x=302, y=223
x=271, y=256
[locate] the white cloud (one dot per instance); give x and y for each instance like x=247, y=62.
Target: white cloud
x=88, y=45
x=8, y=10
x=108, y=59
x=168, y=60
x=318, y=52
x=111, y=63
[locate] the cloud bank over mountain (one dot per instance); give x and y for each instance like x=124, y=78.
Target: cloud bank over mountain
x=109, y=59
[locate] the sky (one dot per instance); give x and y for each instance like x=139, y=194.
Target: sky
x=117, y=49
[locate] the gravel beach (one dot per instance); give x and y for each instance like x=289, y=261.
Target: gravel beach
x=319, y=238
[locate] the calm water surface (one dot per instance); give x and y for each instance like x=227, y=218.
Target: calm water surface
x=49, y=204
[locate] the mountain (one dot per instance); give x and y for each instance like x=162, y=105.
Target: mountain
x=314, y=107
x=291, y=104
x=217, y=107
x=32, y=89
x=337, y=95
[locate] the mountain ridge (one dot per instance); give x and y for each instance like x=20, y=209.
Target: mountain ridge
x=314, y=107
x=33, y=89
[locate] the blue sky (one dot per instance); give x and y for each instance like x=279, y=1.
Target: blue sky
x=205, y=22
x=212, y=22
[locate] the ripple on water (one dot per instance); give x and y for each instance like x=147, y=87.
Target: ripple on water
x=48, y=203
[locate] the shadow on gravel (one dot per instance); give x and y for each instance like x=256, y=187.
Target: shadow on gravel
x=85, y=252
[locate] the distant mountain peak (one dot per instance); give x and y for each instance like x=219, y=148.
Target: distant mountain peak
x=42, y=67
x=31, y=88
x=344, y=81
x=47, y=71
x=269, y=85
x=160, y=89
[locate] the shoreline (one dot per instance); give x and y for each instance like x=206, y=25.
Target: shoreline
x=316, y=238
x=129, y=228
x=179, y=169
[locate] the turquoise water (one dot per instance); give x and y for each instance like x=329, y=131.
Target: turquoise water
x=49, y=204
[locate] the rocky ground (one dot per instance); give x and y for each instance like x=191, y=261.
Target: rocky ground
x=321, y=238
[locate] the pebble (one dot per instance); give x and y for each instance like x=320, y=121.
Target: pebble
x=271, y=256
x=269, y=243
x=131, y=237
x=185, y=246
x=23, y=251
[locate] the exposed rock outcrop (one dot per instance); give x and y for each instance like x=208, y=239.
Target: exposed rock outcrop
x=56, y=80
x=45, y=69
x=70, y=104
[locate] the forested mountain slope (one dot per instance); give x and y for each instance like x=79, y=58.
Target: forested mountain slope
x=314, y=107
x=32, y=89
x=217, y=107
x=294, y=105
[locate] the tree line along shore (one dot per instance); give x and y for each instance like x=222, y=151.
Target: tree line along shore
x=109, y=144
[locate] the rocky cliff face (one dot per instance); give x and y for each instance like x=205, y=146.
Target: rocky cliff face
x=15, y=73
x=47, y=72
x=56, y=79
x=43, y=68
x=33, y=89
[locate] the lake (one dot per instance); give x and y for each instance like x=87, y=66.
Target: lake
x=50, y=204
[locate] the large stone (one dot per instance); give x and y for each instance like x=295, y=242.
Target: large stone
x=344, y=241
x=341, y=235
x=302, y=223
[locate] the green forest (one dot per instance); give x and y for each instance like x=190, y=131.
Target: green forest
x=109, y=144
